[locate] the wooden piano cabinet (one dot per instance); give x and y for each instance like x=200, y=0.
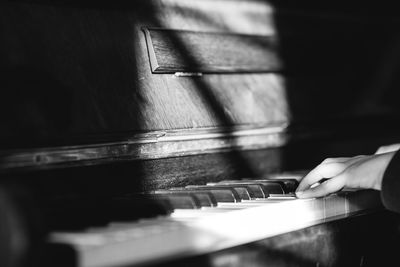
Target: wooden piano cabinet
x=106, y=99
x=80, y=73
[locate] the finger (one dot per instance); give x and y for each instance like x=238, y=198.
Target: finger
x=325, y=170
x=332, y=185
x=331, y=160
x=346, y=160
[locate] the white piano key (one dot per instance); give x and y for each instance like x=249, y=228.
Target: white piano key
x=282, y=196
x=335, y=205
x=243, y=205
x=205, y=230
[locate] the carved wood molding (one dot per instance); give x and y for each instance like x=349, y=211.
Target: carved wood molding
x=154, y=145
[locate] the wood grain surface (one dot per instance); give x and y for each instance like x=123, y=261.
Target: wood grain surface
x=212, y=52
x=77, y=73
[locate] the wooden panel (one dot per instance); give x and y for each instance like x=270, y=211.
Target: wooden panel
x=188, y=51
x=85, y=75
x=147, y=146
x=72, y=75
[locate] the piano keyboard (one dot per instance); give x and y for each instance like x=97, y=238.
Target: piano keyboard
x=207, y=218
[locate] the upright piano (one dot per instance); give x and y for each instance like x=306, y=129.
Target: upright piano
x=174, y=132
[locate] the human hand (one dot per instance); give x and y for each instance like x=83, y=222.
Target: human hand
x=360, y=172
x=388, y=148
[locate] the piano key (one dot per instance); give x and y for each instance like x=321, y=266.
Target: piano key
x=243, y=190
x=246, y=204
x=257, y=189
x=287, y=185
x=224, y=206
x=206, y=199
x=204, y=230
x=269, y=186
x=266, y=201
x=335, y=205
x=220, y=193
x=195, y=214
x=282, y=196
x=158, y=224
x=179, y=200
x=290, y=184
x=271, y=200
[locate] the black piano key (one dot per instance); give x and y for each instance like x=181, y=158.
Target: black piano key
x=269, y=186
x=281, y=182
x=220, y=193
x=282, y=186
x=244, y=192
x=179, y=200
x=256, y=189
x=206, y=199
x=290, y=184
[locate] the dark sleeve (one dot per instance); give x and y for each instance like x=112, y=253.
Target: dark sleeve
x=390, y=193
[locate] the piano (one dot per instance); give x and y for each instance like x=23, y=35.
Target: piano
x=174, y=132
